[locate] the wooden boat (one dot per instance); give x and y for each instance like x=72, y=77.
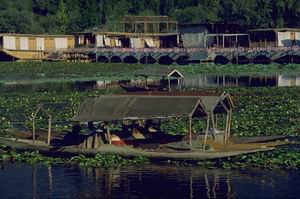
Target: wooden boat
x=134, y=88
x=161, y=153
x=154, y=145
x=165, y=74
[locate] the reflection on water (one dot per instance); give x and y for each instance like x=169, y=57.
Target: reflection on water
x=200, y=81
x=241, y=81
x=20, y=180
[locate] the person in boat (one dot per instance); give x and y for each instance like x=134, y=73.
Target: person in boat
x=74, y=137
x=91, y=129
x=102, y=132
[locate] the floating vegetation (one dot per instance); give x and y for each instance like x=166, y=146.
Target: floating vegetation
x=99, y=160
x=16, y=108
x=278, y=159
x=258, y=111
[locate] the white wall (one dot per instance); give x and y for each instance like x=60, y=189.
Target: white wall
x=40, y=43
x=100, y=41
x=24, y=43
x=61, y=43
x=284, y=39
x=9, y=42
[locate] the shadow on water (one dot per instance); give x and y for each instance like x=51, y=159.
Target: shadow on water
x=151, y=181
x=201, y=81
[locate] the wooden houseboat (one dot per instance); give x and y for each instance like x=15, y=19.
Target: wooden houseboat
x=33, y=47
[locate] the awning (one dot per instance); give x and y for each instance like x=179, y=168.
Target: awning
x=150, y=43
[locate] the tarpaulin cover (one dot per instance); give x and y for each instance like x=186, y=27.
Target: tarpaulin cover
x=130, y=107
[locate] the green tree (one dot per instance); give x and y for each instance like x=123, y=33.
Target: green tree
x=62, y=17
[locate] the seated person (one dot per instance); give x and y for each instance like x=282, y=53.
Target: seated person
x=74, y=137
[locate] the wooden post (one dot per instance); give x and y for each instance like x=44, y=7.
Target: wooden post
x=33, y=129
x=249, y=41
x=146, y=81
x=49, y=130
x=213, y=124
x=169, y=83
x=206, y=132
x=190, y=132
x=216, y=121
x=226, y=128
x=229, y=123
x=108, y=134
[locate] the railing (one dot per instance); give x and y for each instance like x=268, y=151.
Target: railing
x=181, y=50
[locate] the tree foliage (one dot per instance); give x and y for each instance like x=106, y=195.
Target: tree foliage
x=64, y=16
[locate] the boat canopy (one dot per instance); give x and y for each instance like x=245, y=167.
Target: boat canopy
x=142, y=107
x=159, y=72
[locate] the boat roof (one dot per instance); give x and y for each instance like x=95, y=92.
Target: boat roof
x=159, y=72
x=223, y=97
x=142, y=107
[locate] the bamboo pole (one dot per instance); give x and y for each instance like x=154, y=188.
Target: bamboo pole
x=190, y=132
x=108, y=134
x=169, y=83
x=229, y=124
x=213, y=124
x=206, y=132
x=33, y=129
x=49, y=129
x=226, y=128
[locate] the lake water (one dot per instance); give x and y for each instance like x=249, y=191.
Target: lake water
x=201, y=81
x=150, y=181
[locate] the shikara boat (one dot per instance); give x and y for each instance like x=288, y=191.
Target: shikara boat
x=159, y=152
x=164, y=73
x=137, y=113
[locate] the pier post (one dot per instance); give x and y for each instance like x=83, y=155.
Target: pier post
x=190, y=132
x=49, y=130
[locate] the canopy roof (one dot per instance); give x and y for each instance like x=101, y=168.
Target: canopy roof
x=137, y=107
x=159, y=71
x=211, y=100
